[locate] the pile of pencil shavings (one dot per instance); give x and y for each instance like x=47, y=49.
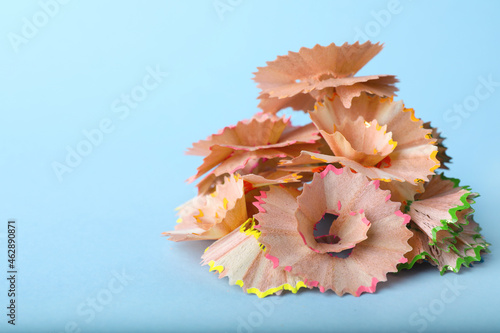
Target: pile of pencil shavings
x=335, y=204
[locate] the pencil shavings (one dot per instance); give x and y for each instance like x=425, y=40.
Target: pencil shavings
x=468, y=247
x=335, y=204
x=370, y=226
x=263, y=136
x=396, y=148
x=435, y=210
x=444, y=231
x=241, y=258
x=214, y=215
x=256, y=173
x=299, y=79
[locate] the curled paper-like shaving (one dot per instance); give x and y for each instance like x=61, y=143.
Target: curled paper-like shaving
x=436, y=209
x=241, y=258
x=392, y=144
x=263, y=136
x=299, y=79
x=213, y=215
x=444, y=231
x=367, y=222
x=467, y=248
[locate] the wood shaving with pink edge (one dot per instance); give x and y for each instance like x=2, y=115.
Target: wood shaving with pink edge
x=300, y=79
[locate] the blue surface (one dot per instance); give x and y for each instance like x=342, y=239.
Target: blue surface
x=94, y=232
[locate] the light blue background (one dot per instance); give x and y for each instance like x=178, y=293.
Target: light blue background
x=107, y=215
